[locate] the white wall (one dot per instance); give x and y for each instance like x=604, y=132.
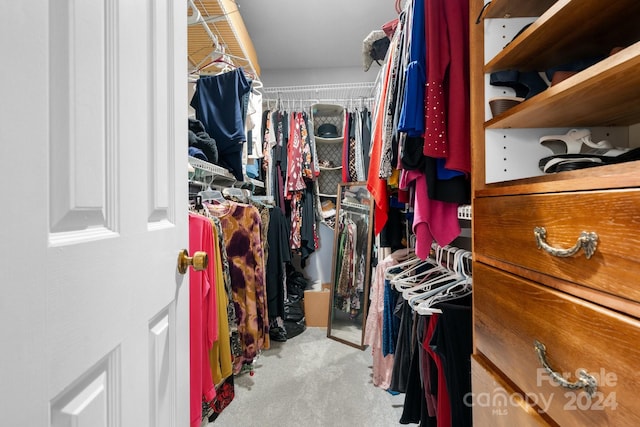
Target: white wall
x=318, y=268
x=315, y=76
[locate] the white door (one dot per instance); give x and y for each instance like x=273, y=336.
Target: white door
x=93, y=314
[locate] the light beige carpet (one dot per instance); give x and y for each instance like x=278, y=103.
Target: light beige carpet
x=311, y=381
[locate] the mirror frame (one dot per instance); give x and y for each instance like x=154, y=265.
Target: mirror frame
x=334, y=274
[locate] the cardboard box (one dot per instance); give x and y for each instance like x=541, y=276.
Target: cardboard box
x=316, y=308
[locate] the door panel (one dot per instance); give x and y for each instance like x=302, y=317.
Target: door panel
x=93, y=162
x=81, y=43
x=161, y=84
x=92, y=401
x=161, y=373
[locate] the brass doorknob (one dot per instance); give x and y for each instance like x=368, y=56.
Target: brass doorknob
x=199, y=261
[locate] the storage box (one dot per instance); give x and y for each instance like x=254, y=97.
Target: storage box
x=316, y=308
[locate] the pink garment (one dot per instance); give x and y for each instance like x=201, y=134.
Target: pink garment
x=382, y=366
x=432, y=219
x=345, y=147
x=203, y=326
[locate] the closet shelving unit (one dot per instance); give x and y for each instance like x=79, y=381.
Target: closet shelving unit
x=215, y=175
x=348, y=95
x=355, y=206
x=327, y=104
x=329, y=149
x=215, y=29
x=583, y=307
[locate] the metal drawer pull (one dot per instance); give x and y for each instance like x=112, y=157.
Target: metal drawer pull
x=585, y=380
x=587, y=241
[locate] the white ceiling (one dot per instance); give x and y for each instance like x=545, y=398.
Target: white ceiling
x=312, y=34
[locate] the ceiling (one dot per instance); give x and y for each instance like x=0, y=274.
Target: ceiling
x=277, y=35
x=295, y=34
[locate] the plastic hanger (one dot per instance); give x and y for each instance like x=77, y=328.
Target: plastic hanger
x=211, y=196
x=440, y=274
x=402, y=255
x=238, y=193
x=407, y=278
x=448, y=292
x=404, y=269
x=443, y=273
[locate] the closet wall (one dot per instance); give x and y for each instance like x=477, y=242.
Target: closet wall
x=306, y=76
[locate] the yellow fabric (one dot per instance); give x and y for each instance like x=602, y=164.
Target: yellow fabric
x=394, y=179
x=220, y=353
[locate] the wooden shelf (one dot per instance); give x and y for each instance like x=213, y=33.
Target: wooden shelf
x=581, y=101
x=623, y=175
x=568, y=31
x=521, y=9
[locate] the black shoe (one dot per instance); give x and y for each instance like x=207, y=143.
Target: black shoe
x=278, y=334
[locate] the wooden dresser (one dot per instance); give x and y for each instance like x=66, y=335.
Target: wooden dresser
x=556, y=338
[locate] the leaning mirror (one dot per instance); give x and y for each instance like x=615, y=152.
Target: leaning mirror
x=351, y=264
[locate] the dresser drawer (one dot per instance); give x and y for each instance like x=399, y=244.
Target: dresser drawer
x=511, y=313
x=497, y=404
x=504, y=230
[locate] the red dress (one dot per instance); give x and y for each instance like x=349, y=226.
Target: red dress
x=447, y=113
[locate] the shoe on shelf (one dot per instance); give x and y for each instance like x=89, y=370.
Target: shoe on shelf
x=526, y=84
x=568, y=162
x=500, y=104
x=578, y=141
x=326, y=163
x=562, y=72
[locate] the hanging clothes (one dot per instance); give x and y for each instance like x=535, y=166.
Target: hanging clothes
x=203, y=328
x=382, y=364
x=219, y=105
x=446, y=109
x=220, y=354
x=433, y=219
x=295, y=180
x=359, y=153
x=242, y=233
x=280, y=254
x=377, y=186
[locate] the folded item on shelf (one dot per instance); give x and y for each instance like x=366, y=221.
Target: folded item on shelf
x=328, y=213
x=328, y=209
x=200, y=139
x=197, y=153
